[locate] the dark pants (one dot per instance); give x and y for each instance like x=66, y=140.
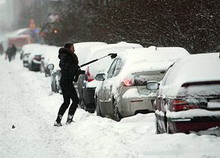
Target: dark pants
x=69, y=93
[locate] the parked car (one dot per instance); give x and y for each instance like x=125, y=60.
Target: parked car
x=189, y=95
x=26, y=51
x=49, y=57
x=35, y=58
x=122, y=92
x=87, y=82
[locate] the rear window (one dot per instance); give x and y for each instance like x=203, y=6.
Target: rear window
x=201, y=89
x=143, y=79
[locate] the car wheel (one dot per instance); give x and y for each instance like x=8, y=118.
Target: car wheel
x=56, y=86
x=158, y=131
x=168, y=128
x=30, y=67
x=117, y=115
x=52, y=87
x=82, y=104
x=97, y=109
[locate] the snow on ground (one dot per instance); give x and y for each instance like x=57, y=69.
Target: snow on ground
x=27, y=103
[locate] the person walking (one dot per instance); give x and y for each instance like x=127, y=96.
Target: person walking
x=8, y=53
x=11, y=52
x=69, y=70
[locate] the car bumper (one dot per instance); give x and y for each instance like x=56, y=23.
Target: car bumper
x=132, y=106
x=186, y=125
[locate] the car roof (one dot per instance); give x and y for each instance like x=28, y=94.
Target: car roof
x=104, y=50
x=158, y=54
x=152, y=59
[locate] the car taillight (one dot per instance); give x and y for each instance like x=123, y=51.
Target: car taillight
x=89, y=77
x=128, y=82
x=180, y=105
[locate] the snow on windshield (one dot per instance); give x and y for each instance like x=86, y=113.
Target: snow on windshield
x=83, y=49
x=100, y=51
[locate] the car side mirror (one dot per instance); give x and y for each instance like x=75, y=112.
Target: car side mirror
x=50, y=66
x=100, y=77
x=152, y=85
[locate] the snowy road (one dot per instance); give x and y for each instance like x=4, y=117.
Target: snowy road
x=27, y=103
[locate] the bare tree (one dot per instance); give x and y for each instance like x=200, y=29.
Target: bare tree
x=193, y=24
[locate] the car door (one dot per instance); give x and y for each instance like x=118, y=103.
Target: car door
x=106, y=89
x=110, y=88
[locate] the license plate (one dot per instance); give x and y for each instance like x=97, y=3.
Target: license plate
x=214, y=104
x=215, y=100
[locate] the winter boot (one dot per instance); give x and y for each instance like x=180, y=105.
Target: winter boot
x=69, y=119
x=57, y=124
x=58, y=121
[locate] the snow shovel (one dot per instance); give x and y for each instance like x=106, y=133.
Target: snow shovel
x=112, y=55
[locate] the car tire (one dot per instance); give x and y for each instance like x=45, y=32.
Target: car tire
x=168, y=128
x=97, y=109
x=82, y=104
x=158, y=131
x=30, y=67
x=117, y=115
x=54, y=87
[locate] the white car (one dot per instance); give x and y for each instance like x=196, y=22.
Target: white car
x=87, y=83
x=26, y=51
x=123, y=90
x=35, y=57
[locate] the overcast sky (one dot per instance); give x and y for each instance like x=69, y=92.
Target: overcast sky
x=2, y=1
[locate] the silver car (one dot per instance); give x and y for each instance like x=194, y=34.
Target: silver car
x=123, y=90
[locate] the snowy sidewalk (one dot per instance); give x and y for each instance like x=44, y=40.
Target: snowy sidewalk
x=27, y=103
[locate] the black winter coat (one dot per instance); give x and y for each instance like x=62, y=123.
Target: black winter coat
x=68, y=65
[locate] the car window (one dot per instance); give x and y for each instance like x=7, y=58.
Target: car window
x=112, y=69
x=166, y=80
x=118, y=67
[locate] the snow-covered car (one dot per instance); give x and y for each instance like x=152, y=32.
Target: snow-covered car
x=26, y=51
x=189, y=95
x=87, y=82
x=49, y=57
x=123, y=90
x=35, y=57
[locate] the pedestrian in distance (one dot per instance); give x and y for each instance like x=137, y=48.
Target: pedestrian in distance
x=69, y=74
x=13, y=50
x=1, y=49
